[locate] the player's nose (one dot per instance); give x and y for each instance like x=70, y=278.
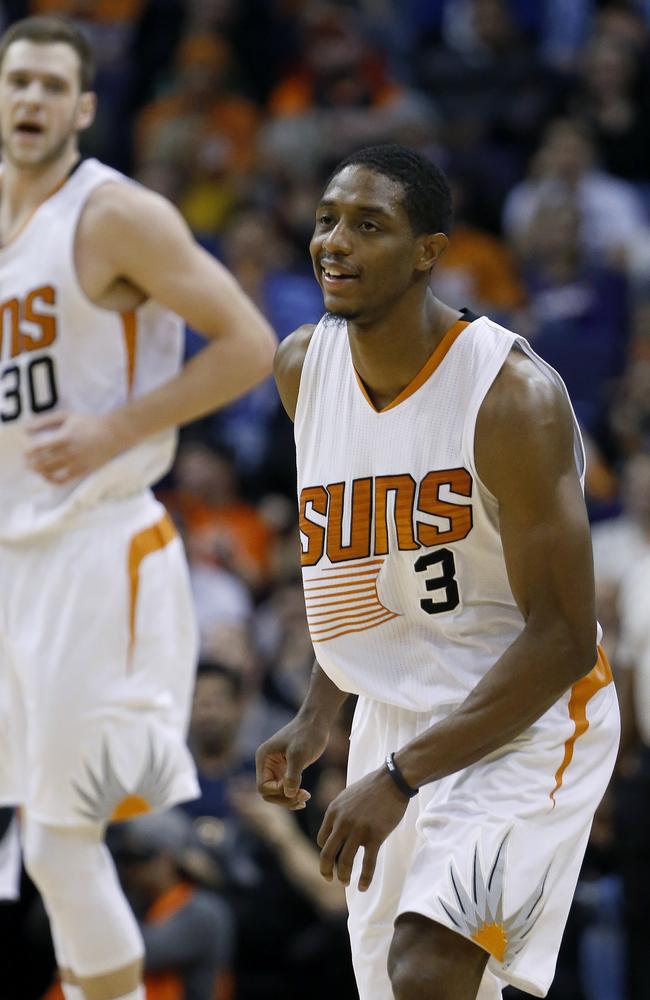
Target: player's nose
x=33, y=93
x=338, y=241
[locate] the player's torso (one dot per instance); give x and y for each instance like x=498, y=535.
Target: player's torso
x=406, y=590
x=58, y=350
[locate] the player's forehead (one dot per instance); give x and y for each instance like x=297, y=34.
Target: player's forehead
x=41, y=59
x=359, y=187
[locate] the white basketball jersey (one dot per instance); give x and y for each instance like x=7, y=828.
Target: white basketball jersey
x=406, y=589
x=60, y=351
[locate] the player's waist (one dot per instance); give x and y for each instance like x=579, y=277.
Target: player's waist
x=140, y=506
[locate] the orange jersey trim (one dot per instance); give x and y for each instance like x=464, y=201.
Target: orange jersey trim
x=425, y=373
x=130, y=333
x=149, y=540
x=21, y=230
x=581, y=695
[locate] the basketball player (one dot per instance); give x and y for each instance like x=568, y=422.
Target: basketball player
x=448, y=583
x=97, y=639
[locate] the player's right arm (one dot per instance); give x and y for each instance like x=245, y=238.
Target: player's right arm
x=287, y=366
x=133, y=245
x=282, y=759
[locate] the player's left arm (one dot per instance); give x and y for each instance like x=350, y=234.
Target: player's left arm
x=524, y=455
x=138, y=239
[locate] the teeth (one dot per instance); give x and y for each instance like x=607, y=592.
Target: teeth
x=336, y=274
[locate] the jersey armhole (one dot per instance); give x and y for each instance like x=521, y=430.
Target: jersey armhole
x=304, y=375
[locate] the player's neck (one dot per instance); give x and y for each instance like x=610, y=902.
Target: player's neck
x=23, y=189
x=387, y=355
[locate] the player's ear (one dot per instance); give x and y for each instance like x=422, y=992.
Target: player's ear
x=429, y=249
x=86, y=110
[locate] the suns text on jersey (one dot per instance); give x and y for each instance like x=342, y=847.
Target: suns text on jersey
x=28, y=322
x=423, y=514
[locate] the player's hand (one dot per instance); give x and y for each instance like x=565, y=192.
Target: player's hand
x=282, y=759
x=66, y=446
x=361, y=816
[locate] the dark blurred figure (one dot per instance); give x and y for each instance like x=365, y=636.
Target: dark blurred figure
x=610, y=98
x=188, y=930
x=217, y=713
x=578, y=307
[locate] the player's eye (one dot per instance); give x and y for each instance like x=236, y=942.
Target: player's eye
x=55, y=86
x=324, y=219
x=369, y=227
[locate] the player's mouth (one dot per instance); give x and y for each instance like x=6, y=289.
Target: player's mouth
x=337, y=277
x=28, y=128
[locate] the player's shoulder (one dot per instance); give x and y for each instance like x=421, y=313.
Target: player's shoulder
x=119, y=205
x=525, y=426
x=287, y=366
x=523, y=393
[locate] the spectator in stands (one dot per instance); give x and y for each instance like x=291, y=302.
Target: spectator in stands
x=577, y=305
x=340, y=95
x=610, y=100
x=222, y=526
x=487, y=78
x=477, y=269
x=611, y=215
x=188, y=930
x=633, y=793
x=217, y=713
x=630, y=409
x=203, y=130
x=621, y=542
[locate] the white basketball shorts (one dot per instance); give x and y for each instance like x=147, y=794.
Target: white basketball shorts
x=98, y=650
x=492, y=852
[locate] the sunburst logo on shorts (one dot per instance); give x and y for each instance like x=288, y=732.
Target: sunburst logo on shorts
x=479, y=914
x=106, y=798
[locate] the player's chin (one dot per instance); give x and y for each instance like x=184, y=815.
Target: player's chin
x=339, y=311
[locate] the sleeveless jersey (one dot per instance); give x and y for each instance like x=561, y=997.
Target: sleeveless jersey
x=60, y=351
x=406, y=590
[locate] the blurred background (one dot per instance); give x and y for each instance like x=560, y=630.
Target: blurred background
x=237, y=110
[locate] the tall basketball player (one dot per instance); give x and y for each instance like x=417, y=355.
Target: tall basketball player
x=448, y=583
x=97, y=639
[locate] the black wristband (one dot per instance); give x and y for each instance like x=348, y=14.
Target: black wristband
x=398, y=777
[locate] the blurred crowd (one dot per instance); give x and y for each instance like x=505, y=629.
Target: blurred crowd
x=237, y=110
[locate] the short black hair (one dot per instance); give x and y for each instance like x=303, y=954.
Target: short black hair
x=46, y=30
x=427, y=194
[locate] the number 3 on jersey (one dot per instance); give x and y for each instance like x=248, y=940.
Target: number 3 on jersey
x=32, y=385
x=443, y=580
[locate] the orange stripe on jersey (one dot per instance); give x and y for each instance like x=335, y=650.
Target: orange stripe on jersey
x=341, y=576
x=130, y=333
x=369, y=616
x=338, y=588
x=425, y=373
x=581, y=694
x=349, y=602
x=149, y=540
x=359, y=565
x=364, y=628
x=329, y=615
x=361, y=607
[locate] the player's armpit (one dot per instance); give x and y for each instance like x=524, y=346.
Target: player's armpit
x=142, y=239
